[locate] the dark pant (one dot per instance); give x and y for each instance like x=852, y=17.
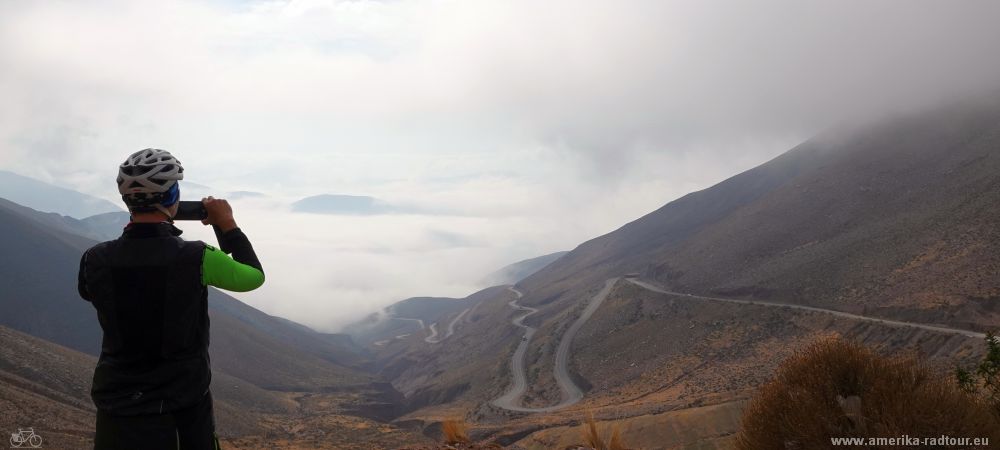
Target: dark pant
x=192, y=428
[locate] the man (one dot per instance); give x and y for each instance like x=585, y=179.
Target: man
x=150, y=289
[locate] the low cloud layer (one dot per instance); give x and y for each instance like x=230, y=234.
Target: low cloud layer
x=534, y=125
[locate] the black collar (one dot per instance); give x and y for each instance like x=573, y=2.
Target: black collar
x=147, y=230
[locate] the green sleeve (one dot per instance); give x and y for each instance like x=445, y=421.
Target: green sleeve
x=223, y=272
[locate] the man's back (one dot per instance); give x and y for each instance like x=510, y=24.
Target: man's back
x=152, y=306
x=150, y=290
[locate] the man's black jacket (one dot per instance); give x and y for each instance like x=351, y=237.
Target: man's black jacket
x=147, y=287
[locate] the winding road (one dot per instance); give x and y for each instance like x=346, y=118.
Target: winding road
x=571, y=393
x=451, y=325
x=520, y=381
x=896, y=323
x=433, y=339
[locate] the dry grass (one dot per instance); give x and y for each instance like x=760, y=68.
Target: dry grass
x=455, y=432
x=592, y=437
x=843, y=389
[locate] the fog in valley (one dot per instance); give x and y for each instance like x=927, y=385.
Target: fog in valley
x=487, y=132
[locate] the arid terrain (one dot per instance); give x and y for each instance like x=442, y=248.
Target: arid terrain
x=890, y=222
x=883, y=234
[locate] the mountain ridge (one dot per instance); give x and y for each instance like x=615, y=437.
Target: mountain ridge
x=51, y=198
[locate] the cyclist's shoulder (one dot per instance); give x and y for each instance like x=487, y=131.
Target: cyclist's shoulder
x=187, y=246
x=100, y=247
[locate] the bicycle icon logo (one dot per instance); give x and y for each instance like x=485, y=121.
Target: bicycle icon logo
x=25, y=438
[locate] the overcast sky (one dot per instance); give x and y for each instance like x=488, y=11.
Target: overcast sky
x=526, y=127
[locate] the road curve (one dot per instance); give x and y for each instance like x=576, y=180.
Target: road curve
x=571, y=393
x=432, y=338
x=509, y=400
x=451, y=325
x=896, y=323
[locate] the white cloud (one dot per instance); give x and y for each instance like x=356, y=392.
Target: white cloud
x=542, y=123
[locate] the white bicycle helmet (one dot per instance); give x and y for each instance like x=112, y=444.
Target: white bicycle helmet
x=148, y=179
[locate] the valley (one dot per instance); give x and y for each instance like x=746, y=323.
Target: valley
x=664, y=327
x=716, y=288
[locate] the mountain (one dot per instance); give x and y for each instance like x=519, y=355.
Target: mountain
x=426, y=308
x=49, y=198
x=464, y=354
x=100, y=227
x=107, y=226
x=887, y=230
x=414, y=315
x=514, y=273
x=894, y=219
x=36, y=303
x=39, y=276
x=274, y=379
x=47, y=387
x=405, y=317
x=891, y=220
x=341, y=204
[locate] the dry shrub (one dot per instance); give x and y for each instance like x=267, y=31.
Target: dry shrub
x=592, y=438
x=454, y=431
x=984, y=379
x=898, y=395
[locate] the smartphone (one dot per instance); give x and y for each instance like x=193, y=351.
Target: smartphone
x=191, y=211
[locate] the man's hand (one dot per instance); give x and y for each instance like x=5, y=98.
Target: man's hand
x=219, y=213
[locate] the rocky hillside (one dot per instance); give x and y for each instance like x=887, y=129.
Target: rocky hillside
x=891, y=220
x=895, y=219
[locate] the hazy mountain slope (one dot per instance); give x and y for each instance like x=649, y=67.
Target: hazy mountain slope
x=254, y=355
x=106, y=226
x=520, y=270
x=40, y=299
x=339, y=350
x=469, y=364
x=67, y=229
x=428, y=309
x=101, y=227
x=895, y=218
x=379, y=328
x=49, y=198
x=405, y=317
x=39, y=295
